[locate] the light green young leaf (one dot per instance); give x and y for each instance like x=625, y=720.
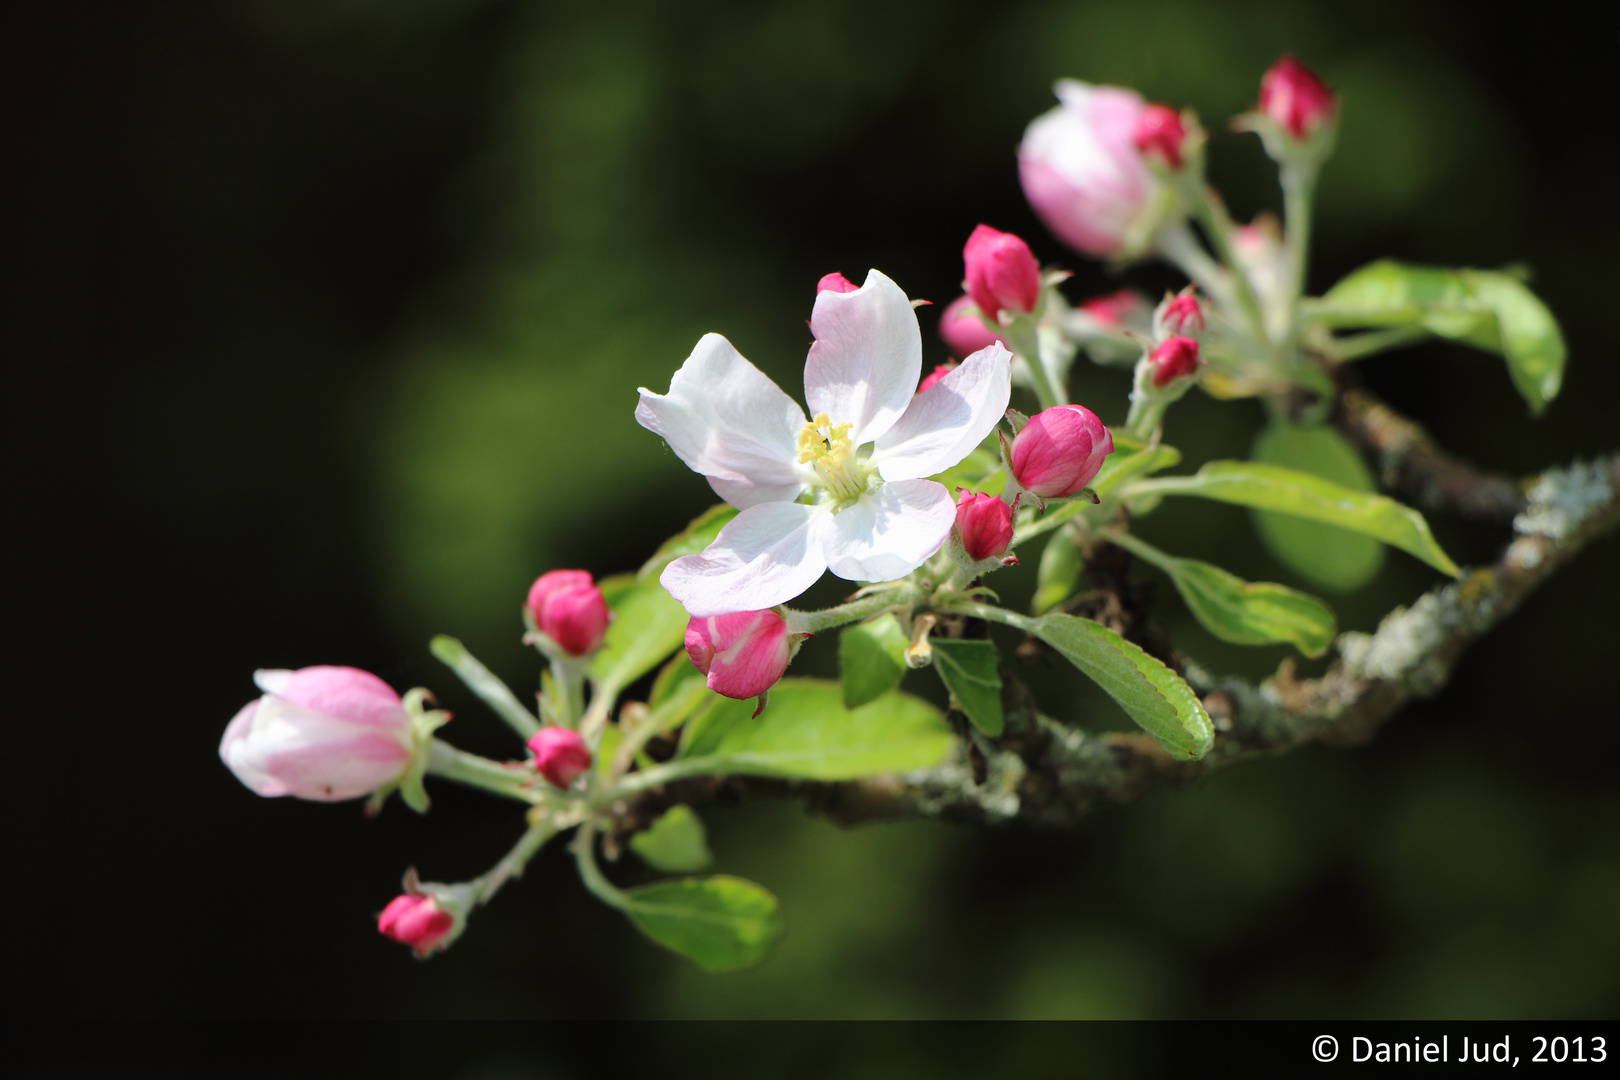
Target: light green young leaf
x=721, y=923
x=676, y=843
x=648, y=624
x=1530, y=340
x=1158, y=699
x=1288, y=491
x=672, y=680
x=979, y=471
x=1058, y=573
x=1330, y=557
x=806, y=732
x=871, y=659
x=697, y=535
x=969, y=671
x=1124, y=464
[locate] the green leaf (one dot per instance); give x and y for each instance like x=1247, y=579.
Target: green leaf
x=676, y=843
x=672, y=680
x=968, y=669
x=979, y=471
x=1288, y=491
x=806, y=732
x=1324, y=555
x=1530, y=339
x=871, y=659
x=721, y=923
x=697, y=535
x=1158, y=699
x=647, y=626
x=1235, y=610
x=1058, y=573
x=1124, y=464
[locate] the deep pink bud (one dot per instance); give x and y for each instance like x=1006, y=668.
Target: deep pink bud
x=835, y=282
x=985, y=524
x=743, y=653
x=939, y=372
x=1175, y=358
x=568, y=608
x=560, y=755
x=1180, y=312
x=417, y=921
x=963, y=330
x=1293, y=97
x=1113, y=309
x=1060, y=450
x=1159, y=131
x=1001, y=272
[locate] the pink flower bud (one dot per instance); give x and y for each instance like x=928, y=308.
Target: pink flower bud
x=568, y=608
x=835, y=282
x=1060, y=450
x=963, y=330
x=322, y=733
x=1293, y=97
x=743, y=653
x=985, y=524
x=1176, y=358
x=939, y=372
x=1080, y=167
x=1159, y=132
x=1181, y=314
x=560, y=755
x=417, y=921
x=1112, y=310
x=1001, y=272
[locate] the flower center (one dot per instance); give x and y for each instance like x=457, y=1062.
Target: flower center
x=826, y=448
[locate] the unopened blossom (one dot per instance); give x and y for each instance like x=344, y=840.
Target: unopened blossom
x=1001, y=273
x=1180, y=314
x=1174, y=358
x=416, y=920
x=322, y=733
x=859, y=461
x=1080, y=167
x=1113, y=310
x=741, y=654
x=560, y=755
x=1294, y=98
x=985, y=525
x=569, y=609
x=1059, y=451
x=835, y=282
x=939, y=372
x=1159, y=133
x=962, y=329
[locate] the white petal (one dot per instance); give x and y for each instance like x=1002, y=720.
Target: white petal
x=890, y=532
x=867, y=358
x=272, y=680
x=728, y=421
x=766, y=556
x=945, y=422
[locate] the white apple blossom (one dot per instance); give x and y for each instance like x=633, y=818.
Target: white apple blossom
x=844, y=490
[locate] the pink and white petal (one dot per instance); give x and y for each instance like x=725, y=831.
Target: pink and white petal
x=944, y=423
x=890, y=532
x=727, y=420
x=344, y=692
x=867, y=357
x=743, y=494
x=765, y=556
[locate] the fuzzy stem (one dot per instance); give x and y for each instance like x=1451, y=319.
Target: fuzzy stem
x=480, y=772
x=485, y=887
x=589, y=873
x=481, y=681
x=814, y=622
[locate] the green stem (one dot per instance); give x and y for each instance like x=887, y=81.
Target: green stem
x=1051, y=520
x=1140, y=548
x=1218, y=226
x=638, y=782
x=1025, y=339
x=481, y=681
x=1178, y=244
x=1374, y=341
x=1299, y=190
x=480, y=772
x=814, y=622
x=589, y=873
x=485, y=887
x=991, y=613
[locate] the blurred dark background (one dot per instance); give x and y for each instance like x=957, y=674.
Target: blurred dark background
x=322, y=323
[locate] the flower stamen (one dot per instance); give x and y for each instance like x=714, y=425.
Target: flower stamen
x=826, y=448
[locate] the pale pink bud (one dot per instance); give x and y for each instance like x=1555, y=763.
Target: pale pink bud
x=1112, y=310
x=568, y=608
x=1080, y=167
x=743, y=653
x=322, y=733
x=1181, y=314
x=835, y=282
x=1176, y=358
x=1294, y=98
x=985, y=525
x=1160, y=132
x=560, y=755
x=939, y=372
x=963, y=330
x=417, y=921
x=1060, y=450
x=1001, y=272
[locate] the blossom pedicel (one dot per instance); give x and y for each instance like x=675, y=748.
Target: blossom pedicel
x=1159, y=133
x=863, y=457
x=1294, y=98
x=560, y=755
x=962, y=329
x=1175, y=358
x=1001, y=273
x=1081, y=169
x=1059, y=451
x=568, y=608
x=322, y=733
x=741, y=654
x=985, y=525
x=417, y=921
